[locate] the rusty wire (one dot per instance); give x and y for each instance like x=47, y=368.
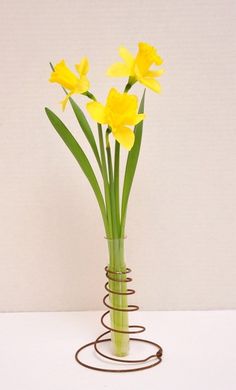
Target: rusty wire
x=138, y=329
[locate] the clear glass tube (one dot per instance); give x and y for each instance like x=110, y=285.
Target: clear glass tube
x=119, y=319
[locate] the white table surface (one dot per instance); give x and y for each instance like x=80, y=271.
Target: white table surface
x=37, y=351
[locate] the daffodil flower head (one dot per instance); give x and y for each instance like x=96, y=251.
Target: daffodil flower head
x=70, y=81
x=138, y=68
x=120, y=111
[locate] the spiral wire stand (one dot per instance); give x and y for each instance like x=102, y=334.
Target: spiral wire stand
x=138, y=329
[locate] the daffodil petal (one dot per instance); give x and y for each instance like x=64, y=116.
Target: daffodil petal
x=151, y=83
x=83, y=67
x=155, y=73
x=82, y=85
x=147, y=50
x=64, y=76
x=64, y=101
x=139, y=118
x=132, y=119
x=58, y=69
x=125, y=136
x=126, y=56
x=97, y=112
x=158, y=60
x=118, y=70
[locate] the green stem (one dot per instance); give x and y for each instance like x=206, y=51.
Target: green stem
x=127, y=87
x=122, y=229
x=89, y=95
x=117, y=183
x=105, y=180
x=119, y=319
x=131, y=81
x=111, y=185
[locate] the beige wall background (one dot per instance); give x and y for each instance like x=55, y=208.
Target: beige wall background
x=182, y=214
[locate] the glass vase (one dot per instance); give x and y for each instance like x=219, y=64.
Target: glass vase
x=118, y=319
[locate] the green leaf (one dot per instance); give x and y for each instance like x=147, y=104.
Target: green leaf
x=86, y=129
x=131, y=165
x=81, y=158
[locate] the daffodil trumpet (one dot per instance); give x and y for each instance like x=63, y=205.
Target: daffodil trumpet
x=123, y=117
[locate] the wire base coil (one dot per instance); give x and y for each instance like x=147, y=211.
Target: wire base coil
x=133, y=329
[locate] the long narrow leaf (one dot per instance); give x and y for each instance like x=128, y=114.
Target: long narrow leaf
x=131, y=164
x=81, y=158
x=85, y=128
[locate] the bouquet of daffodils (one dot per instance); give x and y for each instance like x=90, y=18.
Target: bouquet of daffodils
x=121, y=117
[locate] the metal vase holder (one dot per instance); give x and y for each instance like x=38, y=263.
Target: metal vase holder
x=157, y=357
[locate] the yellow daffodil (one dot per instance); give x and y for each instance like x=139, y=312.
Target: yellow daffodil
x=138, y=68
x=120, y=111
x=69, y=80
